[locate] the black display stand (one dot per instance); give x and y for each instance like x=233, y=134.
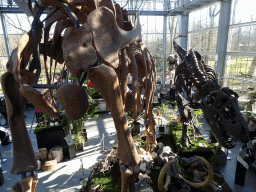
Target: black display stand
x=241, y=168
x=4, y=136
x=1, y=176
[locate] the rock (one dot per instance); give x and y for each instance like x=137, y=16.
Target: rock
x=143, y=166
x=150, y=166
x=202, y=144
x=160, y=144
x=143, y=186
x=147, y=158
x=148, y=172
x=154, y=155
x=165, y=154
x=141, y=151
x=142, y=176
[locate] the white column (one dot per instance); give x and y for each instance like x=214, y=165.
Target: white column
x=223, y=29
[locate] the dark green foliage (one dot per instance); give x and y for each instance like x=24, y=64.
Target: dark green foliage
x=110, y=180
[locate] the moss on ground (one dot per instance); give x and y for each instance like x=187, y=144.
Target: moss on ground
x=63, y=119
x=110, y=181
x=176, y=133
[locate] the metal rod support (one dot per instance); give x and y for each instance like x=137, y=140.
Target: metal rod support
x=5, y=35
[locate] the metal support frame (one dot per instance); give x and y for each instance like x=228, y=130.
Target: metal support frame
x=5, y=35
x=164, y=44
x=183, y=30
x=164, y=49
x=223, y=29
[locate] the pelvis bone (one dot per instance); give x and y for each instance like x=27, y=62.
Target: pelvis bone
x=109, y=38
x=78, y=51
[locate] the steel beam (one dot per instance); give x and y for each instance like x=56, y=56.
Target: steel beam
x=192, y=6
x=183, y=30
x=5, y=35
x=223, y=29
x=164, y=49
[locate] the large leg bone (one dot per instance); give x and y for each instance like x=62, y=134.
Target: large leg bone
x=124, y=74
x=106, y=82
x=23, y=154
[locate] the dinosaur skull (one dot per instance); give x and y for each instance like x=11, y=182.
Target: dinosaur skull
x=222, y=113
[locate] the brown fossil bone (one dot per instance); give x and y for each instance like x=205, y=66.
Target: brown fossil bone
x=109, y=38
x=26, y=185
x=22, y=54
x=80, y=7
x=109, y=4
x=78, y=50
x=74, y=100
x=134, y=81
x=106, y=82
x=23, y=154
x=119, y=16
x=38, y=100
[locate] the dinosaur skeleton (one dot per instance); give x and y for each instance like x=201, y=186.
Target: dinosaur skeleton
x=197, y=88
x=100, y=43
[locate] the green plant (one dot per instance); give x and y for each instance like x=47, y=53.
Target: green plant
x=132, y=122
x=163, y=109
x=79, y=139
x=91, y=113
x=196, y=115
x=73, y=78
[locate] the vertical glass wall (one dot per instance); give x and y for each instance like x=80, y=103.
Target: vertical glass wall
x=203, y=31
x=241, y=55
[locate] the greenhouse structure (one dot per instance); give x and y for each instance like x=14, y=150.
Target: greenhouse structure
x=128, y=95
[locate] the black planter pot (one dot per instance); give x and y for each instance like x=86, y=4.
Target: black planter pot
x=80, y=146
x=136, y=130
x=53, y=137
x=161, y=128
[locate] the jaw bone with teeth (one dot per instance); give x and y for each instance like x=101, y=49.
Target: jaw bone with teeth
x=223, y=116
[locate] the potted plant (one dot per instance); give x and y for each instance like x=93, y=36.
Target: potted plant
x=173, y=120
x=78, y=125
x=52, y=132
x=163, y=109
x=134, y=123
x=79, y=142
